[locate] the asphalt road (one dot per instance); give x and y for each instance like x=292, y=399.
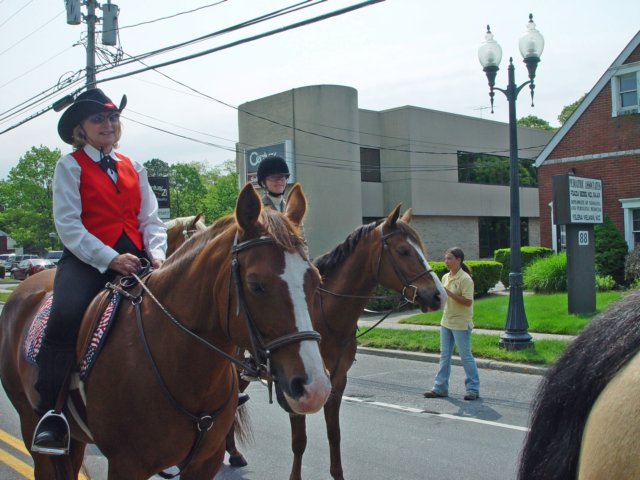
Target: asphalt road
x=388, y=429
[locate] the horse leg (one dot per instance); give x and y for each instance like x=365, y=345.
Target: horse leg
x=205, y=468
x=332, y=420
x=298, y=444
x=236, y=459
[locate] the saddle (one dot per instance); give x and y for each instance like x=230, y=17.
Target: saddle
x=96, y=340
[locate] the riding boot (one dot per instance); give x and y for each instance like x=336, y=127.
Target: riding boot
x=51, y=436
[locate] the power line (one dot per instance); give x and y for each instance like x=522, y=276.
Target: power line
x=30, y=34
x=17, y=12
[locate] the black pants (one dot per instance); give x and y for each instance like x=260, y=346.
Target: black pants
x=75, y=285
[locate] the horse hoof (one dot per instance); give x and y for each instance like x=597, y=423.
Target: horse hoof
x=237, y=461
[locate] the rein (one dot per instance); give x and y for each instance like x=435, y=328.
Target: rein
x=260, y=350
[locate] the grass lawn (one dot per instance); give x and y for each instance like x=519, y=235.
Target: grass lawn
x=544, y=352
x=5, y=295
x=545, y=313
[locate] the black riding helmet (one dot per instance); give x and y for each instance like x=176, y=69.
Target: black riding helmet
x=272, y=166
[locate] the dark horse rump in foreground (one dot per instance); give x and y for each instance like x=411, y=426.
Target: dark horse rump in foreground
x=248, y=285
x=586, y=416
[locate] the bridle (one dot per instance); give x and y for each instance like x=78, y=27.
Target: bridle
x=260, y=351
x=407, y=283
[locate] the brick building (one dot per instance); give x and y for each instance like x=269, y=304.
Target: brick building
x=601, y=140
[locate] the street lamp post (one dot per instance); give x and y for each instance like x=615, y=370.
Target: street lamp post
x=515, y=336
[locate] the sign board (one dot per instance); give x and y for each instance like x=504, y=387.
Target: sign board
x=577, y=200
x=160, y=187
x=254, y=156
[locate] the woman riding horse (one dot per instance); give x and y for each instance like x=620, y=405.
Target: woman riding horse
x=106, y=215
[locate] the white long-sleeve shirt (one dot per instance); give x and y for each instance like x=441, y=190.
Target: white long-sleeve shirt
x=67, y=210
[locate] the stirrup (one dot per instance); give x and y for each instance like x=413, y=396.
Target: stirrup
x=59, y=419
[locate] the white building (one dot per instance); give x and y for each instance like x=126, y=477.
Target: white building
x=355, y=165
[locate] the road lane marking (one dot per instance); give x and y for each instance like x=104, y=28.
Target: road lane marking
x=403, y=408
x=13, y=442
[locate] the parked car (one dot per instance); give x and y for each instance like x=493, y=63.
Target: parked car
x=19, y=258
x=31, y=266
x=6, y=259
x=54, y=255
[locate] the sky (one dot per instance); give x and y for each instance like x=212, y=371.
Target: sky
x=395, y=53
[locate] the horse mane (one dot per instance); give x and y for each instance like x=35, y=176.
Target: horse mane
x=332, y=259
x=285, y=234
x=572, y=385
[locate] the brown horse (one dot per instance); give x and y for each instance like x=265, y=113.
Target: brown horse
x=389, y=253
x=180, y=229
x=163, y=389
x=586, y=416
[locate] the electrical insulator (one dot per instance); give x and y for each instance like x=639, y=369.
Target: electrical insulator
x=74, y=15
x=110, y=24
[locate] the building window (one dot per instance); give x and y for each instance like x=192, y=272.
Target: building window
x=493, y=169
x=631, y=215
x=628, y=90
x=624, y=90
x=494, y=233
x=635, y=232
x=370, y=165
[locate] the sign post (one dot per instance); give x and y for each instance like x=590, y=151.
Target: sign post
x=577, y=204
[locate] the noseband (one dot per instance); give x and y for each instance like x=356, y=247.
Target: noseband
x=407, y=284
x=260, y=350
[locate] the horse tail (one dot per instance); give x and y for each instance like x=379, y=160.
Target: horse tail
x=242, y=426
x=570, y=388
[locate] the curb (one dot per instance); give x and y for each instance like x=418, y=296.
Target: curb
x=435, y=358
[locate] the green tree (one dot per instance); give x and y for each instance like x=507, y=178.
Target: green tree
x=187, y=190
x=611, y=250
x=26, y=200
x=222, y=191
x=569, y=109
x=535, y=122
x=157, y=168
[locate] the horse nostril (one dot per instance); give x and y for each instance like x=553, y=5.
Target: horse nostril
x=297, y=385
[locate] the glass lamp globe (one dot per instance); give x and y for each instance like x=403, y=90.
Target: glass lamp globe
x=531, y=44
x=489, y=53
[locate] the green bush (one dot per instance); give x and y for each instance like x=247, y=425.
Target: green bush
x=528, y=255
x=604, y=284
x=611, y=250
x=485, y=273
x=547, y=275
x=635, y=284
x=632, y=266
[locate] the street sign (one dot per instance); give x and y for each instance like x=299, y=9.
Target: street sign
x=160, y=187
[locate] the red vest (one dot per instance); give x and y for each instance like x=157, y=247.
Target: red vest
x=109, y=208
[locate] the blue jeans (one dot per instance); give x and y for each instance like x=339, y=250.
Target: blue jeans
x=462, y=339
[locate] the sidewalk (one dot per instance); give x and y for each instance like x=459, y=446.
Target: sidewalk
x=393, y=322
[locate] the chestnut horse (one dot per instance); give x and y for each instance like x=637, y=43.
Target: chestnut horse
x=586, y=416
x=389, y=253
x=163, y=390
x=180, y=229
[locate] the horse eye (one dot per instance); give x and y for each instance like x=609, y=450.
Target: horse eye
x=256, y=288
x=404, y=251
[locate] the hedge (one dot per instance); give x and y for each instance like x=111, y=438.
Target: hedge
x=527, y=254
x=486, y=274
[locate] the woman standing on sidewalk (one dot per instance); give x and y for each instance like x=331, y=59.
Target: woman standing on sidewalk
x=456, y=326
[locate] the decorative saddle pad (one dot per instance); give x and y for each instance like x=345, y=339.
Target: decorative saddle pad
x=33, y=341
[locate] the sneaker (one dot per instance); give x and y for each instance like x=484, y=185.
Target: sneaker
x=471, y=396
x=434, y=394
x=242, y=398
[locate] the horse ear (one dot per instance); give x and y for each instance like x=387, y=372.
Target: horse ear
x=406, y=218
x=195, y=220
x=296, y=204
x=392, y=218
x=248, y=208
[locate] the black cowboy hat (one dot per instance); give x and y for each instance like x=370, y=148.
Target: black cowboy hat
x=86, y=104
x=272, y=165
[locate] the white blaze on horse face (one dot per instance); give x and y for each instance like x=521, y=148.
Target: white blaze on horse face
x=319, y=386
x=436, y=280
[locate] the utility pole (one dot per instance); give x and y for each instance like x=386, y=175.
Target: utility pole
x=109, y=34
